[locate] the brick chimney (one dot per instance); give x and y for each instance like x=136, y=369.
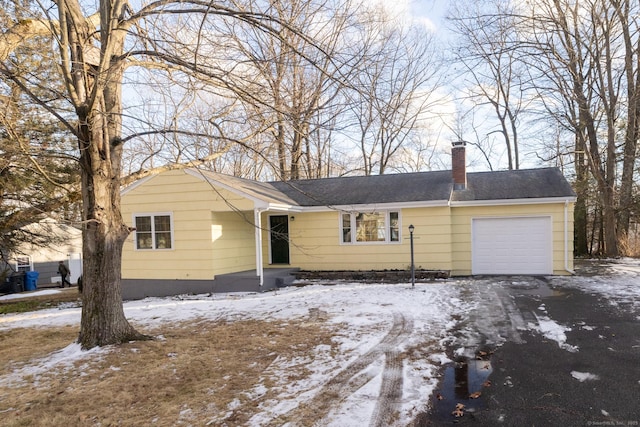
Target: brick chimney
x=458, y=165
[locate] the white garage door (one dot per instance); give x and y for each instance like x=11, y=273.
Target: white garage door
x=511, y=245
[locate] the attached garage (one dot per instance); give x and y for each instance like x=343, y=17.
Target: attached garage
x=512, y=245
x=511, y=222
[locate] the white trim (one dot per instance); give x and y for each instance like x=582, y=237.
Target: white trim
x=284, y=208
x=29, y=262
x=259, y=203
x=136, y=184
x=257, y=218
x=352, y=218
x=153, y=234
x=505, y=202
x=196, y=174
x=375, y=207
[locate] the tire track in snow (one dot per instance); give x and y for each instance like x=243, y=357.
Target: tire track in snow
x=388, y=404
x=341, y=386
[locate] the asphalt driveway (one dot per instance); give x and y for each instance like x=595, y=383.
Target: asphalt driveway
x=549, y=354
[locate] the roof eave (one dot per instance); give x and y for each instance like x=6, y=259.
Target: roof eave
x=136, y=184
x=259, y=203
x=267, y=206
x=372, y=207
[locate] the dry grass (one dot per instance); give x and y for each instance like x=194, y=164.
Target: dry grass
x=29, y=302
x=200, y=373
x=630, y=245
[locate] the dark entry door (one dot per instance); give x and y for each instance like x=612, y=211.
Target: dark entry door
x=279, y=226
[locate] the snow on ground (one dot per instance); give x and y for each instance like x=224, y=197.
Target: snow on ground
x=460, y=313
x=617, y=280
x=584, y=376
x=29, y=294
x=552, y=330
x=363, y=315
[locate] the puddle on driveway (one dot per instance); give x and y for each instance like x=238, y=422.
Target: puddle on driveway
x=460, y=391
x=536, y=287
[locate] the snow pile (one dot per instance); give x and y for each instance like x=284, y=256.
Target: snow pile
x=584, y=376
x=553, y=331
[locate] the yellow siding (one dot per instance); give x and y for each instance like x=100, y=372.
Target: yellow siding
x=214, y=234
x=234, y=244
x=316, y=243
x=191, y=202
x=461, y=232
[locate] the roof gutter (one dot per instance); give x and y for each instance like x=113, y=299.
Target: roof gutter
x=503, y=202
x=373, y=207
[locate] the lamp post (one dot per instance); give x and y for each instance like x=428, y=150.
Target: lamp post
x=413, y=269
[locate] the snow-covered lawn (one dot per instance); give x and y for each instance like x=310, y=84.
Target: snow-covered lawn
x=390, y=336
x=372, y=320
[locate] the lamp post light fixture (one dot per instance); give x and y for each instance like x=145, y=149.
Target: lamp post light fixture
x=413, y=268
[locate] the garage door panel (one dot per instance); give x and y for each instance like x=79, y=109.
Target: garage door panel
x=512, y=245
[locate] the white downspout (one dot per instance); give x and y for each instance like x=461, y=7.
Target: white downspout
x=257, y=219
x=566, y=238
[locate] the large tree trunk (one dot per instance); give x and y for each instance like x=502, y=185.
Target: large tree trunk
x=103, y=321
x=580, y=247
x=98, y=102
x=602, y=171
x=632, y=74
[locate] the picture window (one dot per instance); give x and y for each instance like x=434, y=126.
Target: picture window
x=370, y=227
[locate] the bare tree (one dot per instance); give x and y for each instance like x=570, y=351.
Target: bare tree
x=393, y=90
x=290, y=87
x=581, y=67
x=625, y=18
x=487, y=52
x=576, y=44
x=95, y=50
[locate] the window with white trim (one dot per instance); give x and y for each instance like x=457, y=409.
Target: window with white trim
x=372, y=227
x=23, y=263
x=153, y=231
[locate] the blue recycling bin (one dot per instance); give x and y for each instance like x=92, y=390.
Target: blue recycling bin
x=31, y=281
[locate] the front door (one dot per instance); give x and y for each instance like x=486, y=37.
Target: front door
x=279, y=227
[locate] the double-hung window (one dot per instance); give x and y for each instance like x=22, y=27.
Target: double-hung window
x=23, y=264
x=153, y=231
x=373, y=227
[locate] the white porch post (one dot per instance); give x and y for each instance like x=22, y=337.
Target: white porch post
x=258, y=228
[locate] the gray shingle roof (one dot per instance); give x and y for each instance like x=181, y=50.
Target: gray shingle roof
x=518, y=184
x=407, y=187
x=359, y=190
x=427, y=186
